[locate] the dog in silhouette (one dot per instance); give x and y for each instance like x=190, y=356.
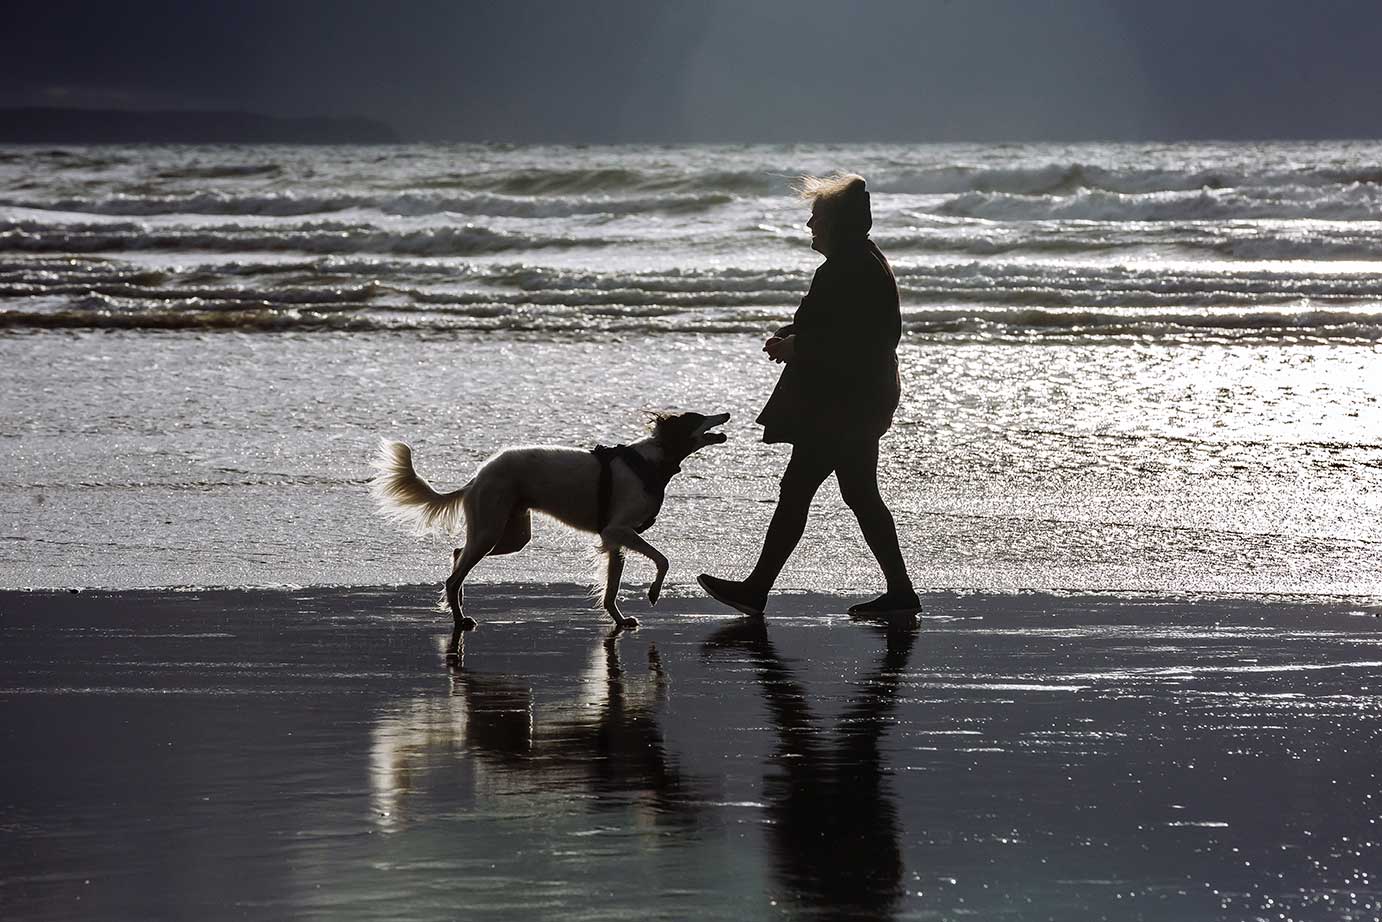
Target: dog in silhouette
x=614, y=492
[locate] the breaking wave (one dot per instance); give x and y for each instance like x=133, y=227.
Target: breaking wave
x=979, y=299
x=1047, y=179
x=1348, y=203
x=322, y=237
x=290, y=204
x=614, y=180
x=222, y=171
x=965, y=323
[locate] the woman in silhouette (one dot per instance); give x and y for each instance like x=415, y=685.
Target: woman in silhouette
x=835, y=399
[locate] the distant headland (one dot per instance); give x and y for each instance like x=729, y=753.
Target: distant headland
x=114, y=126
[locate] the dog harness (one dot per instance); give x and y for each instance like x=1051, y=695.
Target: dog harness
x=654, y=477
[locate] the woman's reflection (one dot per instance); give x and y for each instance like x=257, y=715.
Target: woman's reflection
x=832, y=822
x=604, y=740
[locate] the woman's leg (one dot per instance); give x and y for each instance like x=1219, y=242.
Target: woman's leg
x=806, y=471
x=857, y=472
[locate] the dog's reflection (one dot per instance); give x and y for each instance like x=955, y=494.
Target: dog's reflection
x=491, y=737
x=832, y=822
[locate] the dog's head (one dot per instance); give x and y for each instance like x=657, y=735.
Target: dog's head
x=680, y=434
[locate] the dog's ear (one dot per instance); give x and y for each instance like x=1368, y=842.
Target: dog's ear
x=656, y=421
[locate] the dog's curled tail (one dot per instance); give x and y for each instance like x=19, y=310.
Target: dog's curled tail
x=405, y=497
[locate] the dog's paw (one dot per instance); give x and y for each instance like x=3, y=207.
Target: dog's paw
x=467, y=623
x=654, y=593
x=628, y=623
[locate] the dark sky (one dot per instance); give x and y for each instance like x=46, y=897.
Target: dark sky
x=737, y=70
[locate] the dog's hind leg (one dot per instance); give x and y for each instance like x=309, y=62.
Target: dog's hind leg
x=463, y=561
x=614, y=572
x=486, y=512
x=482, y=532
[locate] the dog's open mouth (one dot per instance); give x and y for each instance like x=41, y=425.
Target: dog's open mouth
x=713, y=438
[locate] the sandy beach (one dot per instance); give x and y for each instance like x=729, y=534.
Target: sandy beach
x=311, y=754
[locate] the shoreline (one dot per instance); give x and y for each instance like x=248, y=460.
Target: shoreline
x=688, y=594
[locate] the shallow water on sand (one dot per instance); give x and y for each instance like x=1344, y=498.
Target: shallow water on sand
x=182, y=460
x=311, y=755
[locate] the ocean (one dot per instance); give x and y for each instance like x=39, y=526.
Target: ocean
x=1127, y=368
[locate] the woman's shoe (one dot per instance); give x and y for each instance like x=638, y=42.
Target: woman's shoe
x=736, y=595
x=897, y=602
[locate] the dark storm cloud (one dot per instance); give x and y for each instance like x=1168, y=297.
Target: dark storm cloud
x=724, y=71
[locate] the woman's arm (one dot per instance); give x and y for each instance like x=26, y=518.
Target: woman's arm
x=843, y=321
x=781, y=348
x=781, y=345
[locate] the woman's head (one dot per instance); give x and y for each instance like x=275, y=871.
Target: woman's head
x=839, y=209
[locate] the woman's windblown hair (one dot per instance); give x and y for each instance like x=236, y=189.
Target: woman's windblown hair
x=845, y=197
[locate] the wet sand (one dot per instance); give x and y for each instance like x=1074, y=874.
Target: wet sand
x=277, y=755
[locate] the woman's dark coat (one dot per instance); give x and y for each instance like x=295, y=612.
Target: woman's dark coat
x=842, y=383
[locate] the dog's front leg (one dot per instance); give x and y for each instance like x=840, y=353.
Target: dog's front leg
x=622, y=536
x=614, y=572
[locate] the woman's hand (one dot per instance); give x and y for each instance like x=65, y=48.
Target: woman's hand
x=781, y=348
